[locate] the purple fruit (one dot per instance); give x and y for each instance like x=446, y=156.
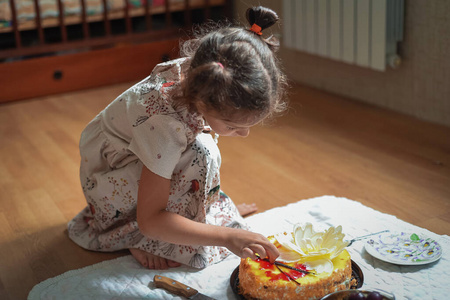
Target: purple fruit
x=374, y=296
x=356, y=296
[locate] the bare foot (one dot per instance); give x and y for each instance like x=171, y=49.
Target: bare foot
x=246, y=209
x=151, y=261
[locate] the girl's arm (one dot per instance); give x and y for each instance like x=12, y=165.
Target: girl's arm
x=157, y=223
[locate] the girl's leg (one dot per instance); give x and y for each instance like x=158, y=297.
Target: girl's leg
x=152, y=261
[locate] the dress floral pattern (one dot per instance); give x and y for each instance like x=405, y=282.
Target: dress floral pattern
x=141, y=127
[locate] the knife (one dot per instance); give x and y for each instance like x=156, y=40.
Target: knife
x=178, y=288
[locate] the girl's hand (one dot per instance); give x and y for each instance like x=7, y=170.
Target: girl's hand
x=157, y=223
x=245, y=244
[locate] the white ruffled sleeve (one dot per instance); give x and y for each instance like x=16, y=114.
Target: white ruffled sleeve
x=158, y=143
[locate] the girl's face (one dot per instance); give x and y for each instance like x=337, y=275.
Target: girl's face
x=225, y=127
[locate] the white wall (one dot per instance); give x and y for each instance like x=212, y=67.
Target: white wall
x=420, y=87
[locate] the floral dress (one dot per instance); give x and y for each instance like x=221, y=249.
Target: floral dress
x=139, y=128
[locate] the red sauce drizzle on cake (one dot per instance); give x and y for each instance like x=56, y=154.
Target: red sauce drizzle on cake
x=292, y=274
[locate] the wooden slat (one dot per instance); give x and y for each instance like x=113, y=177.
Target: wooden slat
x=168, y=13
x=227, y=8
x=38, y=22
x=208, y=10
x=15, y=26
x=128, y=25
x=62, y=26
x=187, y=14
x=148, y=14
x=107, y=24
x=84, y=22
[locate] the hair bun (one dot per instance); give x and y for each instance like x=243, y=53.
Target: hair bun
x=262, y=16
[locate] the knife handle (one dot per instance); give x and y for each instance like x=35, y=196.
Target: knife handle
x=174, y=286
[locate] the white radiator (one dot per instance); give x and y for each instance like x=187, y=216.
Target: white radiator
x=361, y=32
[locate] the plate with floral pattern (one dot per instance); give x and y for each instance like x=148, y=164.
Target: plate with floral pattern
x=404, y=248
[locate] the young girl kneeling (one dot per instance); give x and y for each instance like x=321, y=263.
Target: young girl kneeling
x=149, y=169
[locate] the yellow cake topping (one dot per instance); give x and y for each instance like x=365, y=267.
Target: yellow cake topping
x=315, y=249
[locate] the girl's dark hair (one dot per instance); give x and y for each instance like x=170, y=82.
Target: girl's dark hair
x=234, y=70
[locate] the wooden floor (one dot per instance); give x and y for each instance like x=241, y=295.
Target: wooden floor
x=325, y=145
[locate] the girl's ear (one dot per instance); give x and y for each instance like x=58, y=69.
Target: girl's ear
x=200, y=107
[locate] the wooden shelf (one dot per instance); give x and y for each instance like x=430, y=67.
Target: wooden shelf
x=114, y=15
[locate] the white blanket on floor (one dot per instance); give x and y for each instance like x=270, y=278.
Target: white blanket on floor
x=124, y=278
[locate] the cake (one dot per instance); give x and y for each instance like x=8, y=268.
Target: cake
x=323, y=266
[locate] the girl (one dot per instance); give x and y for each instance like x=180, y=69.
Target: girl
x=149, y=167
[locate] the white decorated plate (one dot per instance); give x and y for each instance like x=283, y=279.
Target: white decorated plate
x=404, y=248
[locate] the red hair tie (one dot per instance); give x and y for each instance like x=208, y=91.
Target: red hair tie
x=256, y=29
x=220, y=65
